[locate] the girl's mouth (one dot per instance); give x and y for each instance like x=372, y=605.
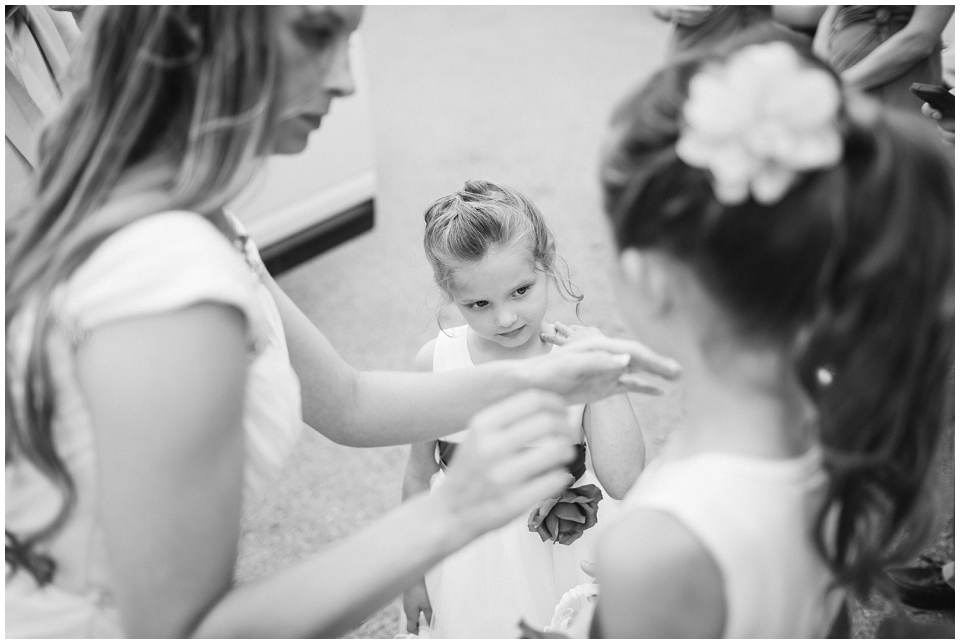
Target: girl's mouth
x=514, y=333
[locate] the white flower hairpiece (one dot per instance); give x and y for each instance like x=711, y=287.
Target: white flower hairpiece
x=758, y=121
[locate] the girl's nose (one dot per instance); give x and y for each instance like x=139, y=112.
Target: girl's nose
x=506, y=318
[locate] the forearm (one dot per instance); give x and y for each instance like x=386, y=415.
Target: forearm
x=616, y=443
x=329, y=594
x=398, y=407
x=376, y=408
x=821, y=39
x=889, y=60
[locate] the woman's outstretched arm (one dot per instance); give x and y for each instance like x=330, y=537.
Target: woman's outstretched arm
x=165, y=395
x=365, y=409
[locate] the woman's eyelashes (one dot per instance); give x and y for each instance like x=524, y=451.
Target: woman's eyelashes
x=314, y=36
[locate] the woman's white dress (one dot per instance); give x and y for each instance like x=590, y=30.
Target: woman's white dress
x=486, y=588
x=158, y=264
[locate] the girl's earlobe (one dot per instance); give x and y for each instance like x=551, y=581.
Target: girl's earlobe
x=645, y=273
x=632, y=266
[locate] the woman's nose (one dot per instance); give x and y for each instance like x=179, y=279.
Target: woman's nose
x=340, y=78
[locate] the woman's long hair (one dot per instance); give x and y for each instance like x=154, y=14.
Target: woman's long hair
x=851, y=272
x=186, y=88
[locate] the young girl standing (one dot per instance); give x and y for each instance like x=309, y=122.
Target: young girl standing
x=794, y=250
x=494, y=257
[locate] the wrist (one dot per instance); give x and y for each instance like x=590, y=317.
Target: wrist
x=526, y=374
x=445, y=529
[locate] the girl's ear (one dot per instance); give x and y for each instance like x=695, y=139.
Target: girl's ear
x=646, y=271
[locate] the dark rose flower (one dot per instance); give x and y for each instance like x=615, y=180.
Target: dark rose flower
x=563, y=520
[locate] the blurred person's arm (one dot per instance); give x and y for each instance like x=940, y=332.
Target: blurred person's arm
x=821, y=40
x=166, y=394
x=373, y=408
x=799, y=16
x=917, y=40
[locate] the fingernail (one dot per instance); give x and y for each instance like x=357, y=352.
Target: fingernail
x=623, y=359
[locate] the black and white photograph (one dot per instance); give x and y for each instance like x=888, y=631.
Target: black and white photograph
x=448, y=321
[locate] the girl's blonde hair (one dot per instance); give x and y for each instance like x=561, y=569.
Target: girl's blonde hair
x=462, y=227
x=189, y=88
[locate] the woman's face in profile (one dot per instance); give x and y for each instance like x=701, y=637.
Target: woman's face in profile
x=315, y=68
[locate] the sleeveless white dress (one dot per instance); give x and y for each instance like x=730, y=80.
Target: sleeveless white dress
x=160, y=263
x=485, y=589
x=755, y=517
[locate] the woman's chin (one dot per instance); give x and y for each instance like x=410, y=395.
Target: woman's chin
x=289, y=145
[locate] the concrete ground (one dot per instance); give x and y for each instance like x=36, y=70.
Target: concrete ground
x=519, y=95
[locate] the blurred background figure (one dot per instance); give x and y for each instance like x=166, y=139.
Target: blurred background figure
x=800, y=18
x=698, y=27
x=883, y=49
x=37, y=52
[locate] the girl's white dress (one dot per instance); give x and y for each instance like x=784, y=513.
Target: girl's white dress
x=755, y=517
x=485, y=589
x=160, y=263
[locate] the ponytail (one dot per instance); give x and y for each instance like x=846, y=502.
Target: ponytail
x=876, y=357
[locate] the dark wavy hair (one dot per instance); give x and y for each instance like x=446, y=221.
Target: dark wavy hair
x=851, y=272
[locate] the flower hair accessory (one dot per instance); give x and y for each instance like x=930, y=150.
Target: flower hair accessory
x=759, y=120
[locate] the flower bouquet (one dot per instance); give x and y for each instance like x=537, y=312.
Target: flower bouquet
x=563, y=519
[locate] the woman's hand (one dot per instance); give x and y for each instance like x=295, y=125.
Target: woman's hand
x=590, y=366
x=496, y=476
x=416, y=601
x=946, y=126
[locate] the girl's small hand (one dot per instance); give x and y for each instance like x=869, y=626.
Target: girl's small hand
x=561, y=334
x=495, y=475
x=416, y=601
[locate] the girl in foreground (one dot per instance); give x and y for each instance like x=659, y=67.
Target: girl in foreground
x=154, y=370
x=795, y=252
x=495, y=259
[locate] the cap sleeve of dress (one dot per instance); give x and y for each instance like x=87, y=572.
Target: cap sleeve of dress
x=158, y=264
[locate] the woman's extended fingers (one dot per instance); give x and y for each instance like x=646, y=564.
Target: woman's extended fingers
x=641, y=358
x=635, y=384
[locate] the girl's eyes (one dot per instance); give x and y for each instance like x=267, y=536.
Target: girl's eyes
x=523, y=290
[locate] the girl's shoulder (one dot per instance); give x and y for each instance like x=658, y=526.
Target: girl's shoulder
x=159, y=263
x=653, y=591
